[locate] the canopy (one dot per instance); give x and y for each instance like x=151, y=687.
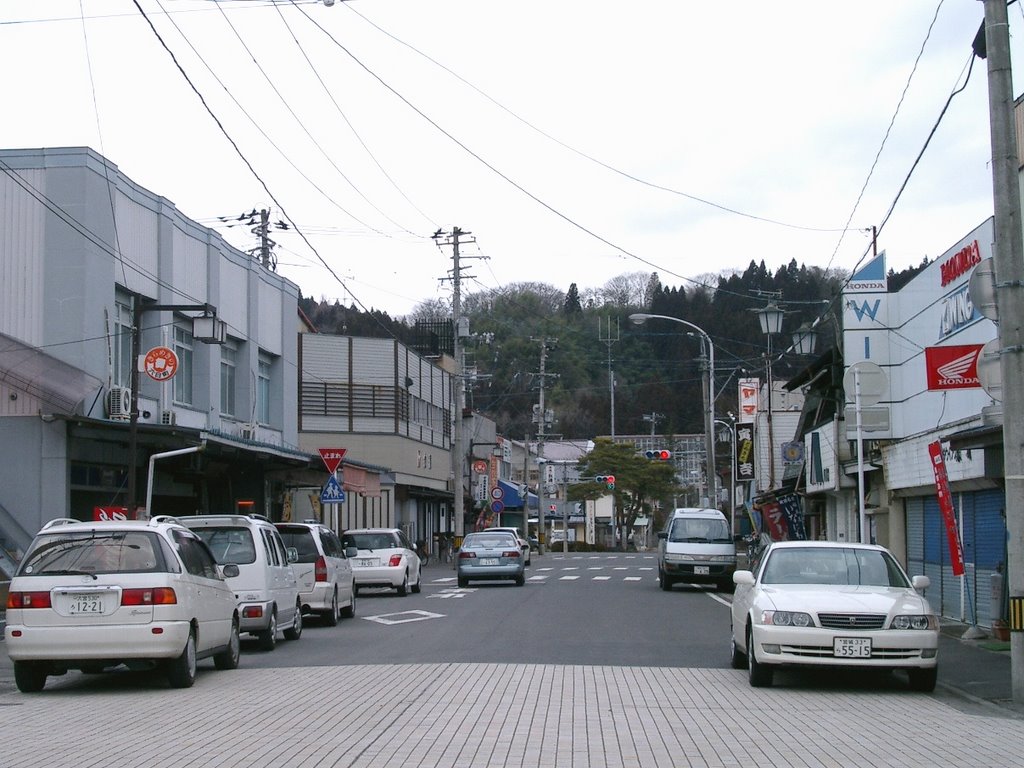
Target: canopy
x=512, y=499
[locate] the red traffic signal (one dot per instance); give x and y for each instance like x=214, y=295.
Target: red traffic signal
x=658, y=455
x=608, y=480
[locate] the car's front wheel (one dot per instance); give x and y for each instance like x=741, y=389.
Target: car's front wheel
x=760, y=676
x=228, y=658
x=330, y=617
x=181, y=672
x=416, y=586
x=350, y=610
x=268, y=637
x=294, y=632
x=923, y=680
x=737, y=659
x=30, y=676
x=403, y=588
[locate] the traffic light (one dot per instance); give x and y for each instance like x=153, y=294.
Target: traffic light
x=658, y=455
x=608, y=480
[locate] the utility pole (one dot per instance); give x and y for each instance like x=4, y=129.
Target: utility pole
x=460, y=331
x=541, y=424
x=611, y=375
x=1008, y=258
x=654, y=418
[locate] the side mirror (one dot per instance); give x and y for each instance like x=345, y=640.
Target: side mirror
x=293, y=555
x=662, y=534
x=745, y=578
x=921, y=582
x=351, y=552
x=229, y=571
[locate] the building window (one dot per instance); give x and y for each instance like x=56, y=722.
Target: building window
x=184, y=349
x=228, y=364
x=263, y=391
x=121, y=347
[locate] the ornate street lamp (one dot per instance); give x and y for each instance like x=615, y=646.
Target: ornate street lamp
x=771, y=324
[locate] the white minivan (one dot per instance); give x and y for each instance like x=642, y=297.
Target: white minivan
x=696, y=546
x=266, y=587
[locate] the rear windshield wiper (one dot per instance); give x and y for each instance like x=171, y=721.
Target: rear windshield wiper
x=67, y=572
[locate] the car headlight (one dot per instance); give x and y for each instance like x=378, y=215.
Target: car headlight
x=915, y=621
x=787, y=618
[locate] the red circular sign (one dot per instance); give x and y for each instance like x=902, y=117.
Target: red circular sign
x=161, y=363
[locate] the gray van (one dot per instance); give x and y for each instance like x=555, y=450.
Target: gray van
x=696, y=546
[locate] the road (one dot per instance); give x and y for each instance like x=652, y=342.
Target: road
x=588, y=664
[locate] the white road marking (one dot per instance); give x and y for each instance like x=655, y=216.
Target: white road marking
x=404, y=617
x=568, y=578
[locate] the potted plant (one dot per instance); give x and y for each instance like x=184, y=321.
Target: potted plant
x=1000, y=630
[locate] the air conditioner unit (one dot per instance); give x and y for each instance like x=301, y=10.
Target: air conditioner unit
x=119, y=403
x=248, y=432
x=168, y=418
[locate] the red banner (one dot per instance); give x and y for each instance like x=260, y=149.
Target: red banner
x=956, y=553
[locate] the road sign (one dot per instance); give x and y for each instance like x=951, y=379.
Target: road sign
x=497, y=506
x=332, y=458
x=332, y=493
x=160, y=363
x=479, y=466
x=497, y=493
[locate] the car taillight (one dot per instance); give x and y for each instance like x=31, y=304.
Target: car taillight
x=395, y=561
x=512, y=553
x=320, y=569
x=28, y=600
x=464, y=555
x=252, y=612
x=150, y=596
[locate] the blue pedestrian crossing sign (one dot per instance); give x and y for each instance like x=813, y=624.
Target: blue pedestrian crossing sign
x=332, y=493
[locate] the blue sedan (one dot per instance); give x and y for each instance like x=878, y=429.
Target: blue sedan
x=490, y=555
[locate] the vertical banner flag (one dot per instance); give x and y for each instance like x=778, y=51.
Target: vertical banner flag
x=793, y=510
x=773, y=518
x=745, y=451
x=956, y=553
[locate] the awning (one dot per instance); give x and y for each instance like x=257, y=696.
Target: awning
x=512, y=499
x=360, y=481
x=30, y=370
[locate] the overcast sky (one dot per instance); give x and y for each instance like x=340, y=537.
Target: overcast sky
x=577, y=140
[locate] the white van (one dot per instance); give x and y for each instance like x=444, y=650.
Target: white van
x=697, y=545
x=266, y=588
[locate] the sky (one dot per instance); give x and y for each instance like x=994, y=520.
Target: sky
x=575, y=141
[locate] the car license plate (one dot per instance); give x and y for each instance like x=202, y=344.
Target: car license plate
x=85, y=604
x=701, y=570
x=368, y=562
x=851, y=647
x=488, y=561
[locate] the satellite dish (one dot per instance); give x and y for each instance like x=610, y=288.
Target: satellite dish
x=873, y=382
x=982, y=289
x=990, y=371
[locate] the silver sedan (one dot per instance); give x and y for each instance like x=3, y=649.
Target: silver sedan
x=489, y=556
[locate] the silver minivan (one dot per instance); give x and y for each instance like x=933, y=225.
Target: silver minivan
x=266, y=587
x=696, y=546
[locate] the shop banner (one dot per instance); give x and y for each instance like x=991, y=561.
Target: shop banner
x=745, y=451
x=793, y=510
x=956, y=553
x=773, y=518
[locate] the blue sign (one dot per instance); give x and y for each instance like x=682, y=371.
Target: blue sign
x=332, y=493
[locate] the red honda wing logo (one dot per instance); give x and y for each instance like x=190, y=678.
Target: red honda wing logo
x=953, y=367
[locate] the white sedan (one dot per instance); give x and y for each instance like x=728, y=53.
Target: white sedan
x=817, y=603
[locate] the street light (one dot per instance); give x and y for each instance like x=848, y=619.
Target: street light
x=709, y=391
x=771, y=323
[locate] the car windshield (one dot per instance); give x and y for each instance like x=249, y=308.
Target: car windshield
x=229, y=544
x=699, y=529
x=92, y=552
x=369, y=540
x=833, y=566
x=492, y=541
x=302, y=539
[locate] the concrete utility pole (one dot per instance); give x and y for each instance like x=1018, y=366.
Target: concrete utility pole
x=611, y=375
x=459, y=331
x=654, y=418
x=541, y=423
x=1008, y=260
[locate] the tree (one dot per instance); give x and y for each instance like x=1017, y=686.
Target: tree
x=572, y=304
x=639, y=482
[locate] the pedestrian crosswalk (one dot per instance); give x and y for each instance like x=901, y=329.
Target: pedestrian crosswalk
x=562, y=568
